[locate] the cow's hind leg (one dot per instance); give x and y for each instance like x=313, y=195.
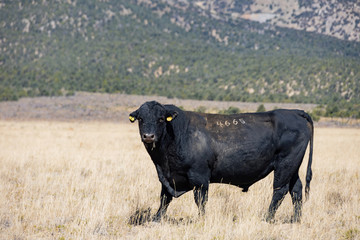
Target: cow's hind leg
x=286, y=179
x=296, y=196
x=279, y=193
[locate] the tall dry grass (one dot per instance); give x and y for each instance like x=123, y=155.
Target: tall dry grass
x=84, y=180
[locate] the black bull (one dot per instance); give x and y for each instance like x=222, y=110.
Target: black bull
x=191, y=150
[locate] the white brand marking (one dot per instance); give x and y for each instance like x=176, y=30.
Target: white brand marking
x=227, y=123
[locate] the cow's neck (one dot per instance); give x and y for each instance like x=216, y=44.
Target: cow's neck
x=171, y=143
x=161, y=150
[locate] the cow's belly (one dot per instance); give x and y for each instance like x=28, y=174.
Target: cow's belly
x=240, y=176
x=243, y=166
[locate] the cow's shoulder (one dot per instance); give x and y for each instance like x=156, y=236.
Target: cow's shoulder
x=196, y=119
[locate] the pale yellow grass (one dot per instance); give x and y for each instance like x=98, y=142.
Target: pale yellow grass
x=84, y=180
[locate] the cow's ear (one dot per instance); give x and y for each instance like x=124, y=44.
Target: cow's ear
x=133, y=116
x=170, y=115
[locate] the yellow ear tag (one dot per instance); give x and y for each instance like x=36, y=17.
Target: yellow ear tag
x=132, y=119
x=169, y=119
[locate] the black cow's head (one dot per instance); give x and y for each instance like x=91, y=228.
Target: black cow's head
x=152, y=118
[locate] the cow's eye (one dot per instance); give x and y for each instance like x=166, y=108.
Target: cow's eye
x=161, y=120
x=140, y=119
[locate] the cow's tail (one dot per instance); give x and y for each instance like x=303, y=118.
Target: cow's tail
x=309, y=171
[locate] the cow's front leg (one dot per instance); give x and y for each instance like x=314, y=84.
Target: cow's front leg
x=165, y=199
x=201, y=197
x=199, y=177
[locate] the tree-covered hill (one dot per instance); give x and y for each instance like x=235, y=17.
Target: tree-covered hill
x=340, y=19
x=150, y=47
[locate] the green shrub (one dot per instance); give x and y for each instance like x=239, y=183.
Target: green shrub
x=261, y=108
x=230, y=110
x=200, y=109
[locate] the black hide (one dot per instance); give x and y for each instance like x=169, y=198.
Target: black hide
x=191, y=150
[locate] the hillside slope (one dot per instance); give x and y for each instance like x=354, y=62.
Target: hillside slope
x=340, y=19
x=169, y=48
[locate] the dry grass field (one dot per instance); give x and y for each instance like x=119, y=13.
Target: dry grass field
x=76, y=180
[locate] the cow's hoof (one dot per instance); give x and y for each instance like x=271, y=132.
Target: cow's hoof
x=140, y=216
x=269, y=218
x=295, y=219
x=157, y=218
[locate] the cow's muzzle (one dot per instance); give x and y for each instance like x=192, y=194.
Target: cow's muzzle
x=148, y=138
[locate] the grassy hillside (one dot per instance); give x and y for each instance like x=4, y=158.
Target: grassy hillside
x=132, y=47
